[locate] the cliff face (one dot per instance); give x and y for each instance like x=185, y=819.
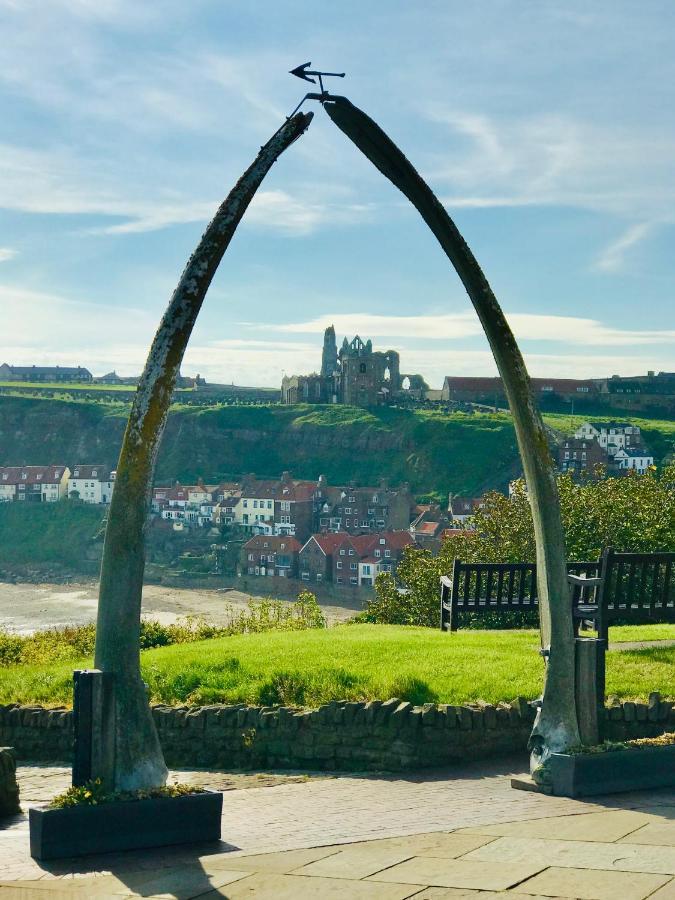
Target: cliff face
x=434, y=452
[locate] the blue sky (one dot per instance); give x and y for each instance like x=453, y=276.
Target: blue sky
x=546, y=128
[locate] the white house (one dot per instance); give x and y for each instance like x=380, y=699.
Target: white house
x=627, y=458
x=92, y=484
x=610, y=435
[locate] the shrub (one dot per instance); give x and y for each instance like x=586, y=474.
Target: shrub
x=75, y=642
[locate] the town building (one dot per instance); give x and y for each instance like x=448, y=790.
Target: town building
x=33, y=484
x=91, y=484
x=351, y=560
x=45, y=373
x=359, y=510
x=463, y=508
x=611, y=436
x=628, y=459
x=585, y=454
x=273, y=555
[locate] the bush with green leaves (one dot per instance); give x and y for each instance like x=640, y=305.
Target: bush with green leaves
x=635, y=513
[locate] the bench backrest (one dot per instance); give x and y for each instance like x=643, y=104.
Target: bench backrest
x=502, y=585
x=638, y=582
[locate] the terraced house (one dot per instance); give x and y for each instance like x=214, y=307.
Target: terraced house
x=33, y=484
x=352, y=560
x=270, y=555
x=91, y=484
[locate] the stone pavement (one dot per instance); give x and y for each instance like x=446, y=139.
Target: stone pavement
x=427, y=835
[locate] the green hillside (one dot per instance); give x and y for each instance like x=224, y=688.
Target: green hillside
x=434, y=451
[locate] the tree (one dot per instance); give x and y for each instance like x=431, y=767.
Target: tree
x=138, y=760
x=635, y=513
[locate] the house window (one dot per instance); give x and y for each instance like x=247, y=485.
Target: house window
x=354, y=580
x=319, y=576
x=305, y=576
x=255, y=504
x=366, y=570
x=353, y=566
x=348, y=522
x=269, y=504
x=387, y=553
x=245, y=502
x=338, y=564
x=371, y=512
x=324, y=523
x=338, y=581
x=342, y=551
x=383, y=541
x=352, y=500
x=377, y=553
x=348, y=510
x=285, y=505
x=351, y=552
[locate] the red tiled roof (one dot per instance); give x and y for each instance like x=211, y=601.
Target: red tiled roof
x=273, y=542
x=427, y=528
x=31, y=474
x=330, y=542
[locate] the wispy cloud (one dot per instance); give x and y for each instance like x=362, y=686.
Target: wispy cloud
x=612, y=258
x=7, y=253
x=547, y=159
x=454, y=326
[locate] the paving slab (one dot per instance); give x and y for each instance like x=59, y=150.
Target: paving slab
x=267, y=886
x=283, y=862
x=356, y=862
x=586, y=884
x=608, y=826
x=667, y=892
x=437, y=843
x=655, y=832
x=459, y=873
x=579, y=854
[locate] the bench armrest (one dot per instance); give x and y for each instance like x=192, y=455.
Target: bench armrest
x=582, y=581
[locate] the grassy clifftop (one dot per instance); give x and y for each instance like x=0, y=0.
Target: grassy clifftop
x=435, y=451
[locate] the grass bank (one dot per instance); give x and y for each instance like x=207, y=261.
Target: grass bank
x=356, y=662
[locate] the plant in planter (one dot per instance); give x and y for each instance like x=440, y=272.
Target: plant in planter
x=89, y=819
x=609, y=767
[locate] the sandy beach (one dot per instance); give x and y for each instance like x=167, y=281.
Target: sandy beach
x=25, y=608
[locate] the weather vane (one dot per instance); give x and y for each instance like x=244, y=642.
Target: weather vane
x=305, y=73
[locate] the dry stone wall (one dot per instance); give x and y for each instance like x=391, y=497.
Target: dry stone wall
x=9, y=790
x=392, y=735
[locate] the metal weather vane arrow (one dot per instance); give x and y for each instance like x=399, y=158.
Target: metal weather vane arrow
x=304, y=72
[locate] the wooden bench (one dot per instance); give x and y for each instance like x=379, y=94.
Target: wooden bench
x=630, y=586
x=635, y=586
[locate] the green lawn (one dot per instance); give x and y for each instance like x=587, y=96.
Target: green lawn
x=354, y=662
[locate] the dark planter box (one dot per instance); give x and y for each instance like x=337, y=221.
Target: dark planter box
x=586, y=774
x=124, y=825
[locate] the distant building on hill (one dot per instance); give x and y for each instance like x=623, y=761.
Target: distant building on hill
x=490, y=391
x=45, y=373
x=356, y=375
